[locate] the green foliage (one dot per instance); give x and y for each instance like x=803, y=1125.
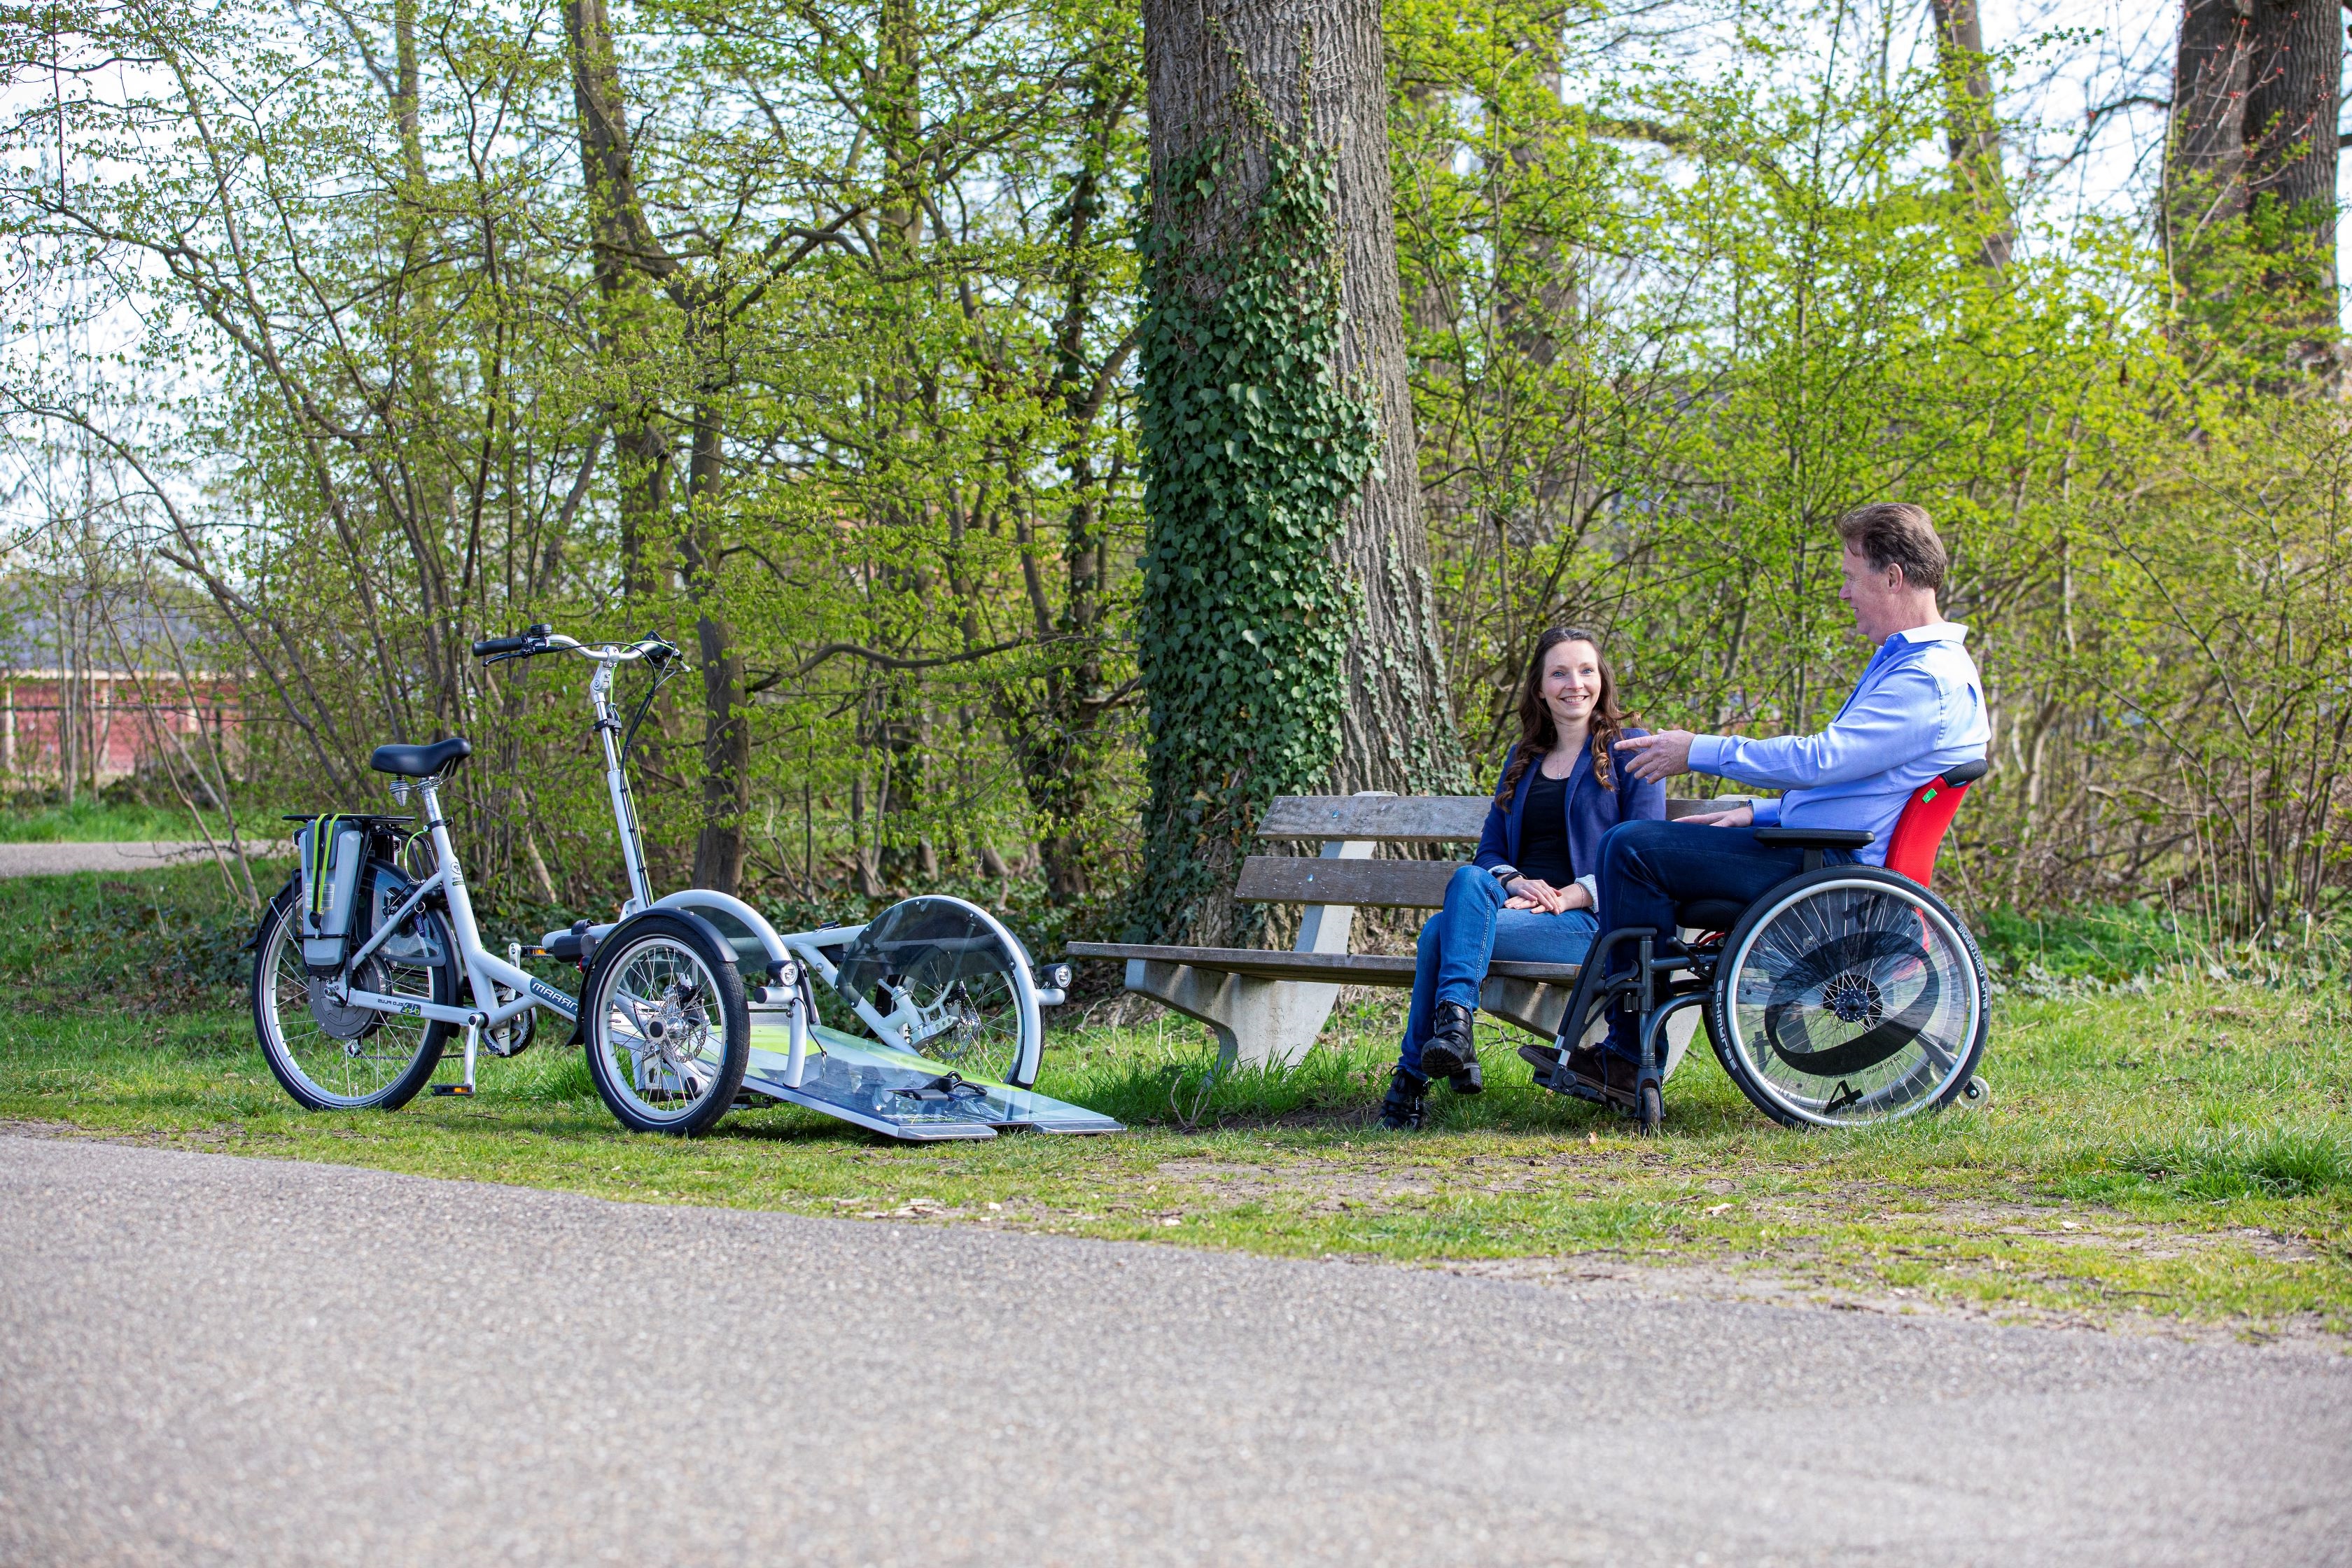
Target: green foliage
x=1252, y=452
x=158, y=941
x=31, y=818
x=2246, y=1163
x=879, y=434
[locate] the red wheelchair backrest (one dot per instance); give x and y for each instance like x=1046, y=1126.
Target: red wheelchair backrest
x=1920, y=831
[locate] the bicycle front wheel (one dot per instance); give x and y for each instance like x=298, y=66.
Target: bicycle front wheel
x=331, y=1056
x=668, y=1030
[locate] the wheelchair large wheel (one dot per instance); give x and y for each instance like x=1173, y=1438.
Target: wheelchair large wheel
x=1849, y=995
x=952, y=984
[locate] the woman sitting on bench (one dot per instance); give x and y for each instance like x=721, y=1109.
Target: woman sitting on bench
x=1529, y=897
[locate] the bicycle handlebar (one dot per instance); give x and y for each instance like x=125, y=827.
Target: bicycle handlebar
x=542, y=640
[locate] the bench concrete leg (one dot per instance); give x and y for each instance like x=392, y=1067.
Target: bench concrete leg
x=1258, y=1023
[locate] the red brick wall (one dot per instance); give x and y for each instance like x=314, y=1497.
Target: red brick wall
x=122, y=724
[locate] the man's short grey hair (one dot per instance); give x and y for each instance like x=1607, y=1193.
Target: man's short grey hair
x=1896, y=533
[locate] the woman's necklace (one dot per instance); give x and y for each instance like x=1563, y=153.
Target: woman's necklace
x=1569, y=749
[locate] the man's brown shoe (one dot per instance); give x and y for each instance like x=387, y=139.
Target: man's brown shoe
x=1602, y=1071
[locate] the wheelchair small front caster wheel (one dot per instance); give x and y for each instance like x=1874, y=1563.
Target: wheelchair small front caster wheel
x=1976, y=1096
x=1650, y=1108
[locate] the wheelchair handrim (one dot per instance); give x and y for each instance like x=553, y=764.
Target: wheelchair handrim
x=1880, y=1096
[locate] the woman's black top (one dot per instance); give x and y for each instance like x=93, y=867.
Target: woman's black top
x=1543, y=832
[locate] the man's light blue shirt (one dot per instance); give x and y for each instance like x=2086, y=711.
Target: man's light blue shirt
x=1918, y=708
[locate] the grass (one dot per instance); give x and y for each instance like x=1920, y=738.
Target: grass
x=99, y=821
x=2181, y=1152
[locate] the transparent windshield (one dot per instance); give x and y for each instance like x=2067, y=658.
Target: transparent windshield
x=925, y=945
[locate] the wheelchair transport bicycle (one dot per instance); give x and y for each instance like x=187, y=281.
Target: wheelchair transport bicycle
x=1846, y=995
x=370, y=959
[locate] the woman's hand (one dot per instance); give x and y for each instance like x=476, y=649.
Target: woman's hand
x=1737, y=816
x=1529, y=894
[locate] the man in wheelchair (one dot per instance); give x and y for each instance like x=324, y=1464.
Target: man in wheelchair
x=1832, y=1013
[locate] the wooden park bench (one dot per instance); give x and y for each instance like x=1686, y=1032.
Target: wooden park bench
x=1268, y=1006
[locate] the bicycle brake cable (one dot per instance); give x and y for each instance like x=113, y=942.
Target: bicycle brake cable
x=661, y=678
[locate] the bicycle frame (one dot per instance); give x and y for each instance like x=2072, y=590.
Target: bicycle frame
x=486, y=974
x=499, y=989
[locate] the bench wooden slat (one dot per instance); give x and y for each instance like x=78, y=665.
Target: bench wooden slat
x=1375, y=884
x=1343, y=968
x=1410, y=819
x=1394, y=818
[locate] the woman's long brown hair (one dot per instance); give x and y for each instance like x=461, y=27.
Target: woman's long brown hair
x=1539, y=734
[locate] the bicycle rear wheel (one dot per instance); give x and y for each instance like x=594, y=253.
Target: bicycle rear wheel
x=953, y=986
x=329, y=1057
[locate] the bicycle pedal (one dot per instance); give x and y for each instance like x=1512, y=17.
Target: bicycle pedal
x=462, y=1091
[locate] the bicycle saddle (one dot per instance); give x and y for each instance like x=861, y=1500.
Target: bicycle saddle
x=421, y=762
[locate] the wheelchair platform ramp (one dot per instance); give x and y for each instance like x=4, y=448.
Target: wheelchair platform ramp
x=901, y=1095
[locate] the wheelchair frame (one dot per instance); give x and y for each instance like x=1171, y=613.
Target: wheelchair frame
x=1667, y=975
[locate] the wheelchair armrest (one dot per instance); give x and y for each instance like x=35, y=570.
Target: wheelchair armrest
x=1815, y=838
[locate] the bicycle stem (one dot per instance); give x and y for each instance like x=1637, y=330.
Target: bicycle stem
x=616, y=782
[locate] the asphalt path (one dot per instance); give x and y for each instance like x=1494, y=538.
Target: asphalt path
x=63, y=860
x=210, y=1359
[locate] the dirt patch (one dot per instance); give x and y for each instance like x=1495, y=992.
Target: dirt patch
x=218, y=1135
x=1368, y=1176
x=1617, y=1275
x=2079, y=1225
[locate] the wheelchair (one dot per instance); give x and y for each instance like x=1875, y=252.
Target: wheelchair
x=1846, y=995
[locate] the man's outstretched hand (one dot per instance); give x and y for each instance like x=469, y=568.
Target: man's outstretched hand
x=1658, y=756
x=1737, y=816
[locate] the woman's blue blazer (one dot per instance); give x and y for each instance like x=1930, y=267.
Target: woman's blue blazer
x=1592, y=811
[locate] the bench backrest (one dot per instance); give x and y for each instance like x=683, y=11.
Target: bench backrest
x=1382, y=818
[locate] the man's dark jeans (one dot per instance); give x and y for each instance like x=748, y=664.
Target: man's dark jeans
x=1648, y=868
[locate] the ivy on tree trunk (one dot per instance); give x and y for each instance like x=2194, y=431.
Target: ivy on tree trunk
x=1323, y=63
x=1253, y=451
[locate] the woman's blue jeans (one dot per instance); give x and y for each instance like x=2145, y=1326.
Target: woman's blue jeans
x=1472, y=929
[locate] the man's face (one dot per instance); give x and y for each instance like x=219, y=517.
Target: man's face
x=1877, y=594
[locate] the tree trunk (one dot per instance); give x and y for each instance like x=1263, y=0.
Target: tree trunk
x=2295, y=74
x=1057, y=736
x=628, y=258
x=1397, y=731
x=726, y=728
x=1535, y=271
x=2205, y=156
x=626, y=253
x=1972, y=126
x=404, y=100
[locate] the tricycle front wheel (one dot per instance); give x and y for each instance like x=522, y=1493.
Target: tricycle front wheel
x=667, y=1031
